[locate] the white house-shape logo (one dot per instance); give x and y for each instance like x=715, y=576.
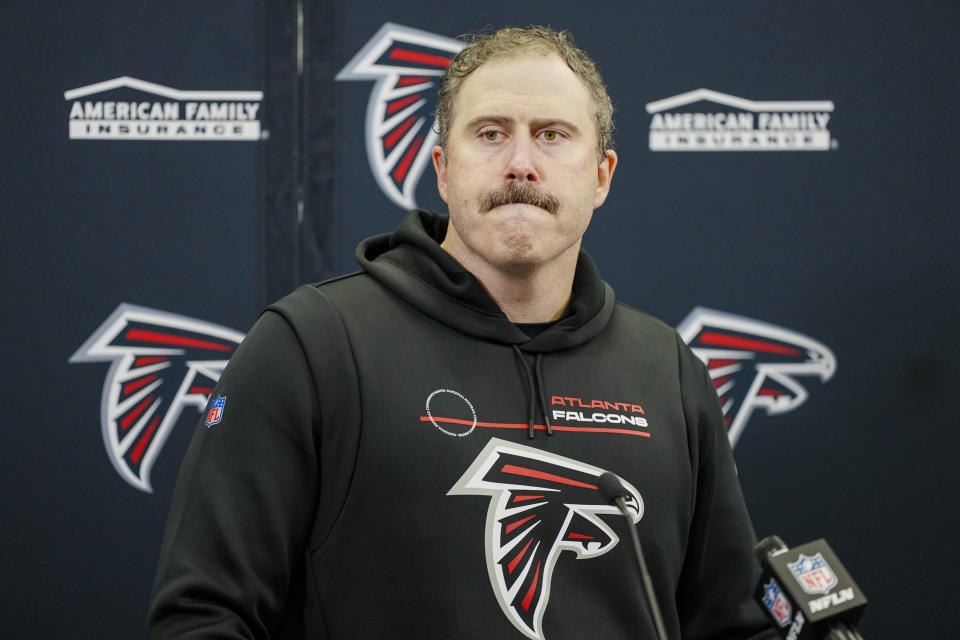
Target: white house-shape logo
x=134, y=109
x=722, y=122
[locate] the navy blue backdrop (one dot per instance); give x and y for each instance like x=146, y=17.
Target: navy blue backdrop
x=186, y=164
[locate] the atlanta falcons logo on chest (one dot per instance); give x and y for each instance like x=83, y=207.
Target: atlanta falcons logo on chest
x=540, y=504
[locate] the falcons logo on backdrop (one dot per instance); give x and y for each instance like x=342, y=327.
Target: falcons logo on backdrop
x=161, y=363
x=406, y=64
x=754, y=364
x=540, y=504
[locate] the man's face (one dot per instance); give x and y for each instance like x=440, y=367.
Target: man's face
x=523, y=128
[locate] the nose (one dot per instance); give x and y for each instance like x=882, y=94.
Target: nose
x=521, y=165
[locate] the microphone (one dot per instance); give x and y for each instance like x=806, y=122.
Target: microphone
x=614, y=492
x=807, y=592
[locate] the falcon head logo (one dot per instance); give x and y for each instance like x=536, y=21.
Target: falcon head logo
x=406, y=65
x=540, y=504
x=754, y=365
x=161, y=362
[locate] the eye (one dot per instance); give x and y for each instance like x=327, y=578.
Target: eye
x=492, y=135
x=553, y=136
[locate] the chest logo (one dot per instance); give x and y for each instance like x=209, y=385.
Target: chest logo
x=540, y=504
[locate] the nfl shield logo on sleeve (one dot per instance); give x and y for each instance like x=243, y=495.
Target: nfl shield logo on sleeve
x=814, y=574
x=216, y=411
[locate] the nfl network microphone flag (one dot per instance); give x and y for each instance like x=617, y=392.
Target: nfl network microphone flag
x=805, y=590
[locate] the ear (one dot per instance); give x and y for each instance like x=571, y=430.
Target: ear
x=604, y=176
x=441, y=168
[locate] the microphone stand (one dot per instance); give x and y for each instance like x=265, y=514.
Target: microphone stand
x=842, y=631
x=644, y=574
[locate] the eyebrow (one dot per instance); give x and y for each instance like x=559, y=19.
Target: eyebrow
x=537, y=123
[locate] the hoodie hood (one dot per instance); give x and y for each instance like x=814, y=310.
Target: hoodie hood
x=411, y=263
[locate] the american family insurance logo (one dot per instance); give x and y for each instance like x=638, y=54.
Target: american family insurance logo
x=705, y=120
x=130, y=109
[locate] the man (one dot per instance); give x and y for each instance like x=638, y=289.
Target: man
x=414, y=451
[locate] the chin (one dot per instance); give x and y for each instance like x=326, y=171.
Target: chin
x=520, y=252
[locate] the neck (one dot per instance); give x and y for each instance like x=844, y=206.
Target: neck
x=538, y=298
x=525, y=293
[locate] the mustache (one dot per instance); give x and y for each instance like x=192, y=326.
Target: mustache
x=519, y=193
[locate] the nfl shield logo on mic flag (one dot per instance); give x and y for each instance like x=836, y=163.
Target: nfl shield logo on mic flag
x=216, y=411
x=814, y=574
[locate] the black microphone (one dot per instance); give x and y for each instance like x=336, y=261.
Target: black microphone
x=807, y=592
x=614, y=492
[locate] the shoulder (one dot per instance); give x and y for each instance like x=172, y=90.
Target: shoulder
x=632, y=324
x=326, y=301
x=308, y=296
x=660, y=340
x=642, y=321
x=324, y=317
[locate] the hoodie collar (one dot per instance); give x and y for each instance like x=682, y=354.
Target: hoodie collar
x=412, y=264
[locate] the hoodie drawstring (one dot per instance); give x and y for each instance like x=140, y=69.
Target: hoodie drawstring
x=534, y=386
x=538, y=376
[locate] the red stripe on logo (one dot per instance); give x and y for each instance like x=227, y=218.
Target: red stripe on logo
x=180, y=341
x=516, y=559
x=541, y=475
x=579, y=536
x=137, y=384
x=525, y=498
x=770, y=392
x=143, y=361
x=510, y=527
x=527, y=599
x=396, y=105
x=725, y=340
x=421, y=58
x=538, y=427
x=395, y=135
x=716, y=364
x=409, y=80
x=135, y=413
x=144, y=440
x=401, y=171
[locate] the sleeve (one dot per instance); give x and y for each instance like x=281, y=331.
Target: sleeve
x=245, y=497
x=715, y=593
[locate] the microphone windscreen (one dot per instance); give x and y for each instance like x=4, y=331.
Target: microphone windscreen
x=768, y=547
x=611, y=488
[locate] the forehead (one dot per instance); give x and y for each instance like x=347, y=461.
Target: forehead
x=528, y=86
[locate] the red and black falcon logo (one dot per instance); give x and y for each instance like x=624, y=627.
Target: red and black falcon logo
x=406, y=64
x=754, y=364
x=161, y=362
x=540, y=504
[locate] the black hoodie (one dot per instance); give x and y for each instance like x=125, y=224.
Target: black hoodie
x=396, y=459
